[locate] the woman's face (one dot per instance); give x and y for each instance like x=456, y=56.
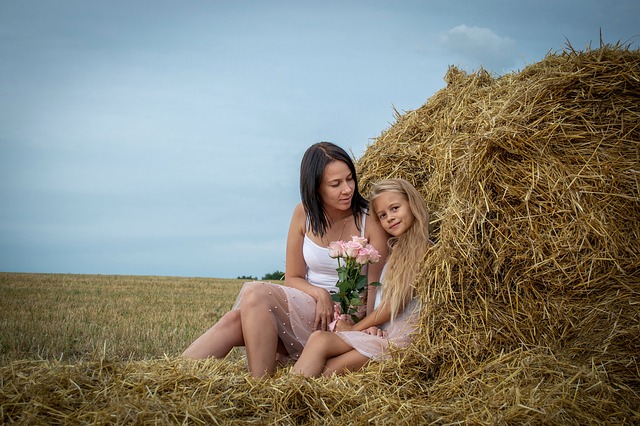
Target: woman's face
x=394, y=212
x=337, y=186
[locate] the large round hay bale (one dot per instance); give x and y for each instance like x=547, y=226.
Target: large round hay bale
x=533, y=180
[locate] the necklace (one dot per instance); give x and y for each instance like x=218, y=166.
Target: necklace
x=344, y=224
x=326, y=239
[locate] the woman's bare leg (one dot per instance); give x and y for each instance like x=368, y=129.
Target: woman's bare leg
x=322, y=345
x=218, y=340
x=258, y=329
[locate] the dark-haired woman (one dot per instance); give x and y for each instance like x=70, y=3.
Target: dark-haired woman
x=271, y=319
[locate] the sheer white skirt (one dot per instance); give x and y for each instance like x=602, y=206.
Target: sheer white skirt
x=292, y=312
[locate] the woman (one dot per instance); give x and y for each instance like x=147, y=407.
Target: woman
x=272, y=319
x=403, y=213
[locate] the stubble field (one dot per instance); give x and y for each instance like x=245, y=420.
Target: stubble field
x=83, y=317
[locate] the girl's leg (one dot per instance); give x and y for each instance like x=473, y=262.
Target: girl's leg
x=321, y=346
x=350, y=361
x=259, y=329
x=218, y=340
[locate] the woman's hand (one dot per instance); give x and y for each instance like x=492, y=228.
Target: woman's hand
x=342, y=325
x=324, y=309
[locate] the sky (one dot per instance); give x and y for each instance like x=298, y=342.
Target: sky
x=158, y=137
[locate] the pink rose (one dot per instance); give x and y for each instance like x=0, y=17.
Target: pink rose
x=363, y=256
x=374, y=256
x=360, y=240
x=352, y=248
x=367, y=254
x=336, y=249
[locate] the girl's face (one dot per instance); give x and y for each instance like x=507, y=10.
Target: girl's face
x=337, y=186
x=394, y=212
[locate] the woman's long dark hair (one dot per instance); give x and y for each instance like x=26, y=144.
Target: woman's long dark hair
x=314, y=161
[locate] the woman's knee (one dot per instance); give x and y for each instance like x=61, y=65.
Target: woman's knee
x=231, y=318
x=229, y=329
x=255, y=294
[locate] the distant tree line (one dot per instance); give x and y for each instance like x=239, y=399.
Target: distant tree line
x=276, y=275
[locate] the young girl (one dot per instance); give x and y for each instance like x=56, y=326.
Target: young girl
x=402, y=212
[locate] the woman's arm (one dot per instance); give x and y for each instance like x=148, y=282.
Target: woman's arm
x=296, y=270
x=378, y=238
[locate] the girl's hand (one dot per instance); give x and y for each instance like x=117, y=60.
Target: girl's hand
x=375, y=331
x=324, y=309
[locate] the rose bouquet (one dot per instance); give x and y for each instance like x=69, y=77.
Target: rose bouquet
x=351, y=283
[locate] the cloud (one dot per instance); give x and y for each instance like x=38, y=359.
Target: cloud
x=478, y=46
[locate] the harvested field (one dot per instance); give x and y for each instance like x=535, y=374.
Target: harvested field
x=531, y=293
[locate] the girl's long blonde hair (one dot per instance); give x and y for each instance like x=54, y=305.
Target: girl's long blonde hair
x=407, y=250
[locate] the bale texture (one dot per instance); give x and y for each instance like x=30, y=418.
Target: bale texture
x=533, y=180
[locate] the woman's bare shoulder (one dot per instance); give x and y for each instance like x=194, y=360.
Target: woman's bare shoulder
x=299, y=212
x=299, y=218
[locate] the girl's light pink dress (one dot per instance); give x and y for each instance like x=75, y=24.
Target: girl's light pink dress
x=399, y=334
